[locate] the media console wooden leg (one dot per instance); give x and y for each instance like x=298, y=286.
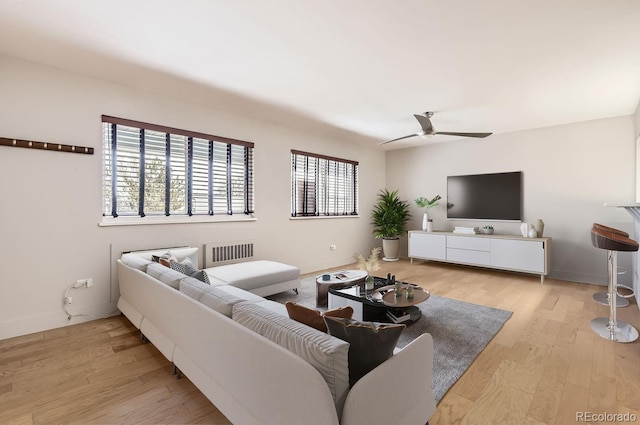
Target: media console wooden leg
x=541, y=279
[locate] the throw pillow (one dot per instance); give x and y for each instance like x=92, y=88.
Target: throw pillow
x=313, y=318
x=186, y=267
x=370, y=344
x=200, y=275
x=164, y=259
x=181, y=266
x=345, y=312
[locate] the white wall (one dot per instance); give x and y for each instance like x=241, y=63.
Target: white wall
x=637, y=120
x=51, y=202
x=569, y=172
x=637, y=135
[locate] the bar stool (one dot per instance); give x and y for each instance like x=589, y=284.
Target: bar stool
x=603, y=296
x=609, y=327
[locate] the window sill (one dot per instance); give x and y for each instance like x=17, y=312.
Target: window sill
x=148, y=220
x=324, y=217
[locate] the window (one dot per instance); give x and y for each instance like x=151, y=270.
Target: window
x=323, y=185
x=151, y=170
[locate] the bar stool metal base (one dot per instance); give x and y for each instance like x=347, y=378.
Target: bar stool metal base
x=603, y=298
x=623, y=332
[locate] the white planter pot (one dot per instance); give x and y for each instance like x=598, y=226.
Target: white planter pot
x=390, y=248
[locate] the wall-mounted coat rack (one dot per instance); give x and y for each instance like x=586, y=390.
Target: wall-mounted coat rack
x=44, y=145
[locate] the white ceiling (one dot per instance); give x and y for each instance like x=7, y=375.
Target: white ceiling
x=357, y=69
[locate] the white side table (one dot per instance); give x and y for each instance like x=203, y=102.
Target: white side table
x=337, y=279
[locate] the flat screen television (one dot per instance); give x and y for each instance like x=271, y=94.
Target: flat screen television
x=496, y=196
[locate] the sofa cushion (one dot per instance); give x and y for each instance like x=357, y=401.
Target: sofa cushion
x=273, y=307
x=220, y=301
x=241, y=293
x=166, y=275
x=254, y=274
x=313, y=318
x=369, y=343
x=211, y=296
x=193, y=287
x=327, y=354
x=135, y=261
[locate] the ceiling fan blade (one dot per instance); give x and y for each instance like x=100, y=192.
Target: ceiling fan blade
x=452, y=133
x=425, y=123
x=400, y=138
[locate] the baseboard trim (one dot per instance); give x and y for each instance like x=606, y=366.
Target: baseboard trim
x=52, y=320
x=586, y=278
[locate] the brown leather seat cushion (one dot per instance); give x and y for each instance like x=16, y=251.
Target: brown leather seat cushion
x=610, y=229
x=612, y=241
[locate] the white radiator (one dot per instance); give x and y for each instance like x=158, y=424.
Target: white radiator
x=220, y=253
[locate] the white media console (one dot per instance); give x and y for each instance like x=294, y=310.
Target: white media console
x=504, y=252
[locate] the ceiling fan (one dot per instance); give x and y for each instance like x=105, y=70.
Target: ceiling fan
x=428, y=130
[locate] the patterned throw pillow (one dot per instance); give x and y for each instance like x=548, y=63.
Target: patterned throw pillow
x=186, y=267
x=313, y=318
x=370, y=344
x=200, y=275
x=181, y=266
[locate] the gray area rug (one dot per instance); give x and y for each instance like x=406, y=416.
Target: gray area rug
x=460, y=331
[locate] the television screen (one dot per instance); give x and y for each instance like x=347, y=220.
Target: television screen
x=496, y=196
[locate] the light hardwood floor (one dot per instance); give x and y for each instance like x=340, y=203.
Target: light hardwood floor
x=543, y=367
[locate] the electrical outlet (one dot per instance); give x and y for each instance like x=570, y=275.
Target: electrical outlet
x=332, y=247
x=83, y=283
x=68, y=300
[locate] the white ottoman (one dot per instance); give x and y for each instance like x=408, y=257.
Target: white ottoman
x=260, y=277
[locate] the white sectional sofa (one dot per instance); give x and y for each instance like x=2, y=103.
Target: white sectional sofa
x=260, y=367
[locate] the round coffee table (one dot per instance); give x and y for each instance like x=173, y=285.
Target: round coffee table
x=402, y=305
x=336, y=279
x=387, y=294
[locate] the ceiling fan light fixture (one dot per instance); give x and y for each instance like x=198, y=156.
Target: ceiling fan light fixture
x=427, y=130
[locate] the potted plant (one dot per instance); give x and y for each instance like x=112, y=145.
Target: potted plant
x=423, y=202
x=487, y=229
x=389, y=218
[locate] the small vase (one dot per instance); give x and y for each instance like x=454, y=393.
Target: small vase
x=539, y=226
x=368, y=283
x=524, y=229
x=398, y=289
x=425, y=222
x=429, y=225
x=532, y=233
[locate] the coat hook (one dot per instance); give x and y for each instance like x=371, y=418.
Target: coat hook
x=4, y=141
